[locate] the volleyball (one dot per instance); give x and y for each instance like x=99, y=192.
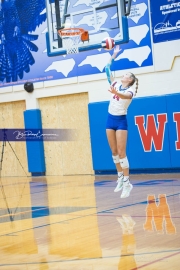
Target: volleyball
x=108, y=43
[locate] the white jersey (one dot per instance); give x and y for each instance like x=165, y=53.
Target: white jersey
x=118, y=106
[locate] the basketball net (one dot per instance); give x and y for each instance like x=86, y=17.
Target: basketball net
x=71, y=43
x=71, y=38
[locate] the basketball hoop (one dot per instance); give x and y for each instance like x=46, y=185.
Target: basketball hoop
x=71, y=38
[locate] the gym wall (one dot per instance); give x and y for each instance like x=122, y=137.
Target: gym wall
x=153, y=136
x=12, y=117
x=67, y=112
x=158, y=75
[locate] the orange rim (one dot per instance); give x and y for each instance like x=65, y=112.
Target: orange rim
x=77, y=32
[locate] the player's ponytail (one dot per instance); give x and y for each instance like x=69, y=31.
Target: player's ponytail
x=134, y=79
x=137, y=84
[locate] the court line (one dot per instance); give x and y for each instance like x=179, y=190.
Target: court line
x=42, y=208
x=101, y=258
x=81, y=216
x=69, y=213
x=42, y=191
x=132, y=204
x=158, y=260
x=103, y=215
x=104, y=211
x=23, y=212
x=27, y=194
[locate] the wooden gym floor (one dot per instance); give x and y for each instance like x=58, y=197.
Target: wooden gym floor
x=79, y=223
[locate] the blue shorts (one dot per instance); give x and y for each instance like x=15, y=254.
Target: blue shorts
x=116, y=122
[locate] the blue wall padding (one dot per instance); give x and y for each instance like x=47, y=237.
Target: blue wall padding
x=139, y=159
x=166, y=158
x=100, y=151
x=35, y=149
x=173, y=106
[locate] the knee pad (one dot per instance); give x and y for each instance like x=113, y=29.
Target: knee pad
x=116, y=159
x=124, y=163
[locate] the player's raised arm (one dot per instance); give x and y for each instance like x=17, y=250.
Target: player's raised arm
x=108, y=66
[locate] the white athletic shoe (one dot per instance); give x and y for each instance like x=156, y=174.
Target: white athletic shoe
x=126, y=190
x=119, y=183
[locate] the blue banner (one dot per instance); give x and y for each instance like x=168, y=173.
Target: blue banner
x=165, y=15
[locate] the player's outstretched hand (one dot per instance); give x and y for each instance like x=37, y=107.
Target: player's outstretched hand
x=117, y=49
x=112, y=90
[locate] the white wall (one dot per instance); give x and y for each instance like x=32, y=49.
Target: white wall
x=160, y=79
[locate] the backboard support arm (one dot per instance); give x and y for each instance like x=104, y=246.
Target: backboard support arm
x=127, y=4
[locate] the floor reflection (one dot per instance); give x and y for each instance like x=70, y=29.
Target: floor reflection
x=158, y=215
x=78, y=222
x=73, y=229
x=127, y=260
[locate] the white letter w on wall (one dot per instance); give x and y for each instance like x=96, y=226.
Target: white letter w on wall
x=152, y=133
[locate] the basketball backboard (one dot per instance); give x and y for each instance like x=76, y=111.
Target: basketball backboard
x=101, y=18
